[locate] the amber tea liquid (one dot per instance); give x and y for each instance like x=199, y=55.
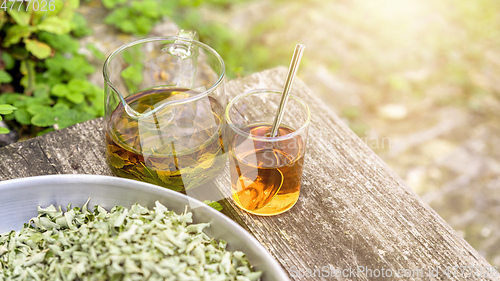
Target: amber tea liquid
x=178, y=147
x=266, y=176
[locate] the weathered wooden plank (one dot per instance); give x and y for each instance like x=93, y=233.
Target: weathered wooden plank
x=78, y=149
x=353, y=211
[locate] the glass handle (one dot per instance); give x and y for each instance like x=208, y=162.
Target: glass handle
x=190, y=34
x=187, y=53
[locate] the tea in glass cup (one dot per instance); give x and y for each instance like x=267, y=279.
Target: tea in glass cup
x=266, y=171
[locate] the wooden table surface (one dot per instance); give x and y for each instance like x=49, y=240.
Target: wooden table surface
x=355, y=218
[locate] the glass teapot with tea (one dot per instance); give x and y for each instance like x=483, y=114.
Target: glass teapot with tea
x=165, y=100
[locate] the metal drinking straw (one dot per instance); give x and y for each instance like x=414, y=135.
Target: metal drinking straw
x=292, y=71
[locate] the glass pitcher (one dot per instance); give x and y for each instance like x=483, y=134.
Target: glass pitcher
x=165, y=100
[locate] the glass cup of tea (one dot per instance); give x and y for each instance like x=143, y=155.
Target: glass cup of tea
x=266, y=171
x=165, y=101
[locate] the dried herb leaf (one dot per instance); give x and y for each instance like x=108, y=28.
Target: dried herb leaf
x=124, y=244
x=115, y=160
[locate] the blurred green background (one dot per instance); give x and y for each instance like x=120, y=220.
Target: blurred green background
x=417, y=80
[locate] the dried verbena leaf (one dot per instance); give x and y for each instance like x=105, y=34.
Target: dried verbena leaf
x=123, y=155
x=142, y=174
x=164, y=175
x=156, y=163
x=206, y=160
x=114, y=148
x=115, y=160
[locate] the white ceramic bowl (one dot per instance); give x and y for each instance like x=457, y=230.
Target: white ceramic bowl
x=20, y=197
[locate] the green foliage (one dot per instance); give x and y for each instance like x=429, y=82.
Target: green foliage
x=214, y=204
x=79, y=26
x=243, y=53
x=38, y=49
x=5, y=109
x=40, y=59
x=96, y=52
x=5, y=77
x=136, y=17
x=42, y=63
x=8, y=60
x=132, y=76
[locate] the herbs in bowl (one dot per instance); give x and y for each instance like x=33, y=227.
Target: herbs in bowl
x=122, y=244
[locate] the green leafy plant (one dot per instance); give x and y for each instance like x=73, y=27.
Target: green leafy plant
x=136, y=17
x=44, y=77
x=5, y=109
x=214, y=204
x=43, y=74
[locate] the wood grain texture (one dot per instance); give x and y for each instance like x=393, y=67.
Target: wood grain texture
x=78, y=149
x=353, y=210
